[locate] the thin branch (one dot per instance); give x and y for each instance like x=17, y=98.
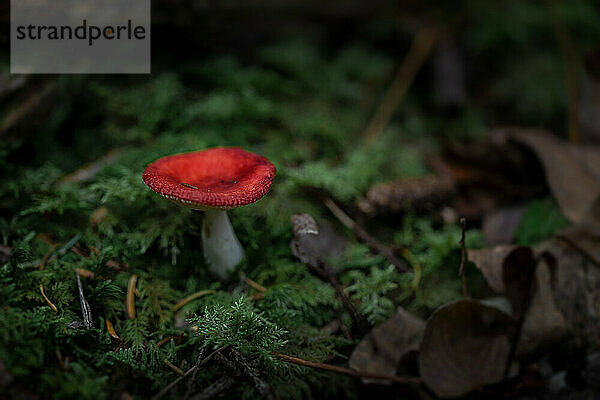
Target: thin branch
x=421, y=47
x=187, y=373
x=343, y=370
x=251, y=371
x=364, y=236
x=173, y=367
x=221, y=385
x=463, y=258
x=192, y=381
x=89, y=171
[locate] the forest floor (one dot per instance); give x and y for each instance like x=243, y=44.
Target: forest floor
x=450, y=256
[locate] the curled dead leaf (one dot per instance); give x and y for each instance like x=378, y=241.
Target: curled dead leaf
x=500, y=226
x=569, y=176
x=544, y=325
x=383, y=350
x=576, y=292
x=528, y=281
x=465, y=346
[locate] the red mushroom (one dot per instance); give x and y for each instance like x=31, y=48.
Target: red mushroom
x=213, y=181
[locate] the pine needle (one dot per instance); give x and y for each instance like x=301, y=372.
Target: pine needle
x=191, y=298
x=111, y=329
x=131, y=296
x=52, y=306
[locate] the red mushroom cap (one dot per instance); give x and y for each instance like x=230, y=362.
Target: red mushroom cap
x=221, y=177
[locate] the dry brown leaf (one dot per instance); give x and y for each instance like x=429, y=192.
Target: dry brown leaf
x=490, y=261
x=575, y=188
x=577, y=292
x=465, y=346
x=589, y=156
x=383, y=349
x=500, y=226
x=584, y=240
x=528, y=282
x=544, y=325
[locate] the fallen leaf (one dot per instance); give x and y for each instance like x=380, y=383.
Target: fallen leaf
x=500, y=226
x=528, y=281
x=585, y=240
x=490, y=262
x=544, y=325
x=575, y=188
x=589, y=157
x=383, y=349
x=576, y=292
x=465, y=346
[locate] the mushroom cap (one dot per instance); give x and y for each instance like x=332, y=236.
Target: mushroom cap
x=221, y=177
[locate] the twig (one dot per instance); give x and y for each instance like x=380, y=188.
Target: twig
x=64, y=363
x=463, y=258
x=116, y=265
x=305, y=227
x=187, y=373
x=52, y=306
x=26, y=108
x=520, y=310
x=420, y=49
x=53, y=246
x=173, y=367
x=131, y=296
x=45, y=258
x=364, y=236
x=257, y=296
x=264, y=389
x=69, y=244
x=346, y=371
x=91, y=170
x=215, y=389
x=191, y=298
x=257, y=286
x=192, y=381
x=85, y=306
x=360, y=321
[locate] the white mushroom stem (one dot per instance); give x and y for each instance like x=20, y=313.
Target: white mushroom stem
x=222, y=249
